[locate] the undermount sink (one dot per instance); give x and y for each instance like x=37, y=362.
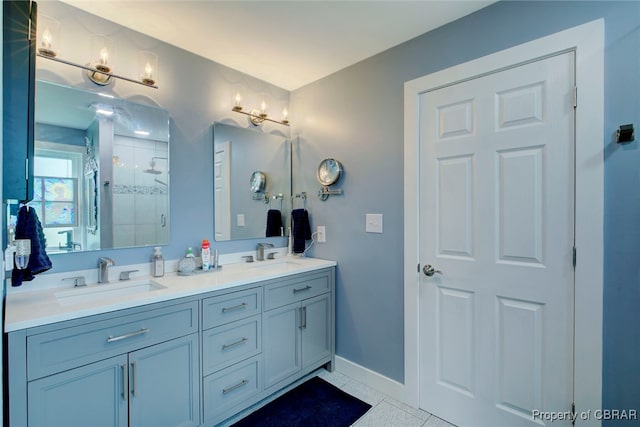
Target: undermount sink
x=92, y=293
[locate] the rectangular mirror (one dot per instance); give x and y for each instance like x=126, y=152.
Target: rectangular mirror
x=252, y=180
x=101, y=171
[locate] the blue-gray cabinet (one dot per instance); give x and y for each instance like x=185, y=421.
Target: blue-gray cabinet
x=135, y=367
x=192, y=361
x=18, y=95
x=298, y=326
x=164, y=386
x=91, y=395
x=155, y=386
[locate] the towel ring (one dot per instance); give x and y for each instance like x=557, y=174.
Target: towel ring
x=302, y=196
x=277, y=197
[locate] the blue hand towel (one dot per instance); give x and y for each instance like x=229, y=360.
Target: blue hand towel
x=274, y=223
x=301, y=229
x=28, y=227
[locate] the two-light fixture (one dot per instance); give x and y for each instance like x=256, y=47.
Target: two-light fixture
x=257, y=117
x=99, y=68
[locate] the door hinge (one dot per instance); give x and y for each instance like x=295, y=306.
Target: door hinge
x=575, y=97
x=573, y=413
x=574, y=257
x=418, y=268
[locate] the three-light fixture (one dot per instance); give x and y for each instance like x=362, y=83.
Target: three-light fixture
x=99, y=69
x=257, y=117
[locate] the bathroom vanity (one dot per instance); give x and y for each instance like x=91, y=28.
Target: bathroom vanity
x=185, y=351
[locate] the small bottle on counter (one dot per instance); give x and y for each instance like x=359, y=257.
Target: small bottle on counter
x=157, y=263
x=206, y=255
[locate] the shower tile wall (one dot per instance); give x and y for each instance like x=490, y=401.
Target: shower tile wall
x=136, y=209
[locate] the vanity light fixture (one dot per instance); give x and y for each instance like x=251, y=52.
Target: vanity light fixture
x=257, y=117
x=99, y=69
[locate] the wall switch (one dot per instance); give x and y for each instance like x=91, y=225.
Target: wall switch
x=322, y=236
x=240, y=220
x=373, y=223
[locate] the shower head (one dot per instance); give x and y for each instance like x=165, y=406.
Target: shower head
x=152, y=168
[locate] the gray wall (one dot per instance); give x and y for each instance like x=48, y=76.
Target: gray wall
x=356, y=116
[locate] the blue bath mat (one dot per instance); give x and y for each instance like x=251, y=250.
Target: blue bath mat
x=313, y=403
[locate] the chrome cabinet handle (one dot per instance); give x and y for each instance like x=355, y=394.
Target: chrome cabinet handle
x=129, y=335
x=124, y=381
x=429, y=271
x=236, y=386
x=306, y=288
x=233, y=344
x=304, y=317
x=133, y=382
x=235, y=307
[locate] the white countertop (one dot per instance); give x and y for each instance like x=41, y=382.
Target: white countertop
x=41, y=307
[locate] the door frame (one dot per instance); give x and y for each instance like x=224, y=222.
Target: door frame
x=587, y=41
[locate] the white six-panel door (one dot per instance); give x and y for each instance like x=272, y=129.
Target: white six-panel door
x=496, y=213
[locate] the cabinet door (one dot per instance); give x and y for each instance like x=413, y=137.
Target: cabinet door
x=92, y=395
x=163, y=384
x=281, y=343
x=18, y=98
x=316, y=329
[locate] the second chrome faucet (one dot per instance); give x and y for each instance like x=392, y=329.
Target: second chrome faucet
x=103, y=269
x=260, y=249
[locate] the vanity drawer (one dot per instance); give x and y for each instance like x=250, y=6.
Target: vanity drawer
x=225, y=345
x=227, y=308
x=63, y=349
x=284, y=292
x=231, y=387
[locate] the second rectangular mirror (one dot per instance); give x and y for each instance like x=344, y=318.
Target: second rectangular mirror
x=252, y=179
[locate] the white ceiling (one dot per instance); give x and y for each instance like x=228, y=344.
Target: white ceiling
x=286, y=43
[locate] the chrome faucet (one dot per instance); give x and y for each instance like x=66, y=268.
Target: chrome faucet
x=103, y=269
x=260, y=249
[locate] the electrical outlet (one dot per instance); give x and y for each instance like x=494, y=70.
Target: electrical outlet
x=322, y=236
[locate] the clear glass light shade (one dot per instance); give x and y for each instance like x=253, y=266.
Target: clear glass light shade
x=102, y=51
x=48, y=36
x=148, y=67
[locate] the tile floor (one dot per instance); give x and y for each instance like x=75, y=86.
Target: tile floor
x=385, y=411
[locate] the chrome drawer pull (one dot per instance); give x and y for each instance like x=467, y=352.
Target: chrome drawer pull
x=234, y=387
x=235, y=307
x=129, y=335
x=228, y=346
x=306, y=288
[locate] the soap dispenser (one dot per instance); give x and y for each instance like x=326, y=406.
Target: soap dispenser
x=157, y=263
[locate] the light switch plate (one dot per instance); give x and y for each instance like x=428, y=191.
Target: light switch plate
x=240, y=220
x=373, y=223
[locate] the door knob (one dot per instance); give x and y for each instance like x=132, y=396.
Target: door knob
x=429, y=271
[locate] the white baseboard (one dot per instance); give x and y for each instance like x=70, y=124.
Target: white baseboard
x=376, y=381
